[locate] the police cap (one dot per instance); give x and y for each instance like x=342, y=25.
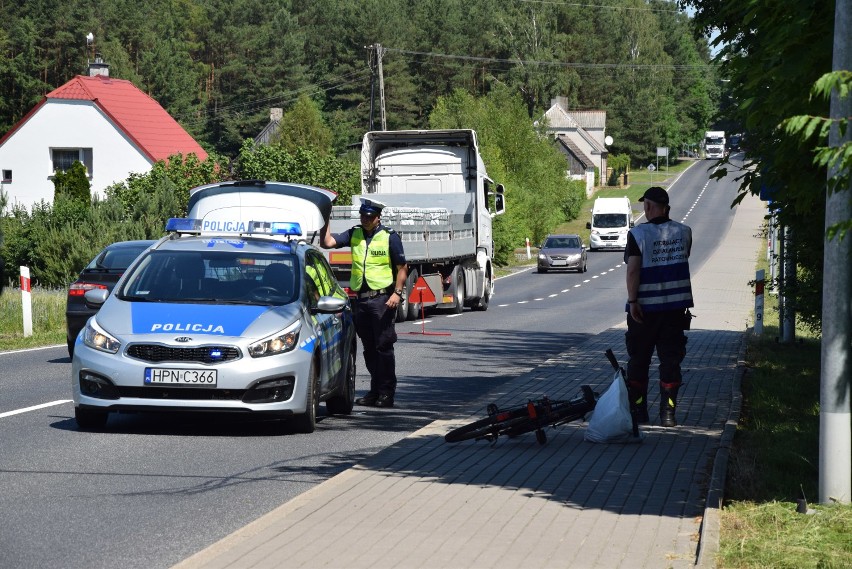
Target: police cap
x=371, y=206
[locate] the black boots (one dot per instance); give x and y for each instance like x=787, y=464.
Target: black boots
x=668, y=402
x=638, y=397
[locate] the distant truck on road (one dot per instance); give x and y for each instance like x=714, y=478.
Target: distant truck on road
x=714, y=144
x=441, y=202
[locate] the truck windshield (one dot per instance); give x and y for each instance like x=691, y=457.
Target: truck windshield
x=714, y=140
x=609, y=220
x=214, y=277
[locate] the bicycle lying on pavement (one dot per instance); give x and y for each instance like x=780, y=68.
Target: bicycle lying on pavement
x=534, y=416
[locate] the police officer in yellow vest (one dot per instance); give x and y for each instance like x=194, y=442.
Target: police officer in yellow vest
x=378, y=276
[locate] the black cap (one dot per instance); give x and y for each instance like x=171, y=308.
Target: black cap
x=372, y=207
x=656, y=194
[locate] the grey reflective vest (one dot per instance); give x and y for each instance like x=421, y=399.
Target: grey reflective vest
x=664, y=282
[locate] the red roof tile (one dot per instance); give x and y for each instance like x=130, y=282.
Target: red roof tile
x=141, y=118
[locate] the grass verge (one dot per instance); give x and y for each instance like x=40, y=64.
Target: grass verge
x=774, y=462
x=48, y=319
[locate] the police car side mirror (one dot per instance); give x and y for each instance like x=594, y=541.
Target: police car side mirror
x=329, y=305
x=588, y=225
x=96, y=297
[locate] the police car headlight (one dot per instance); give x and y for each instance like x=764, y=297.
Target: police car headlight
x=280, y=343
x=542, y=256
x=95, y=337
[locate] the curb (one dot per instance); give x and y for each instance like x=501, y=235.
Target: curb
x=710, y=532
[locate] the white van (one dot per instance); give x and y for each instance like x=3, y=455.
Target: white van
x=612, y=218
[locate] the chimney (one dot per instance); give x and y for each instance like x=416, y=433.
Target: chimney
x=275, y=114
x=561, y=101
x=98, y=67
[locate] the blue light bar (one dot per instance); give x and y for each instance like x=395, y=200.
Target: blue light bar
x=288, y=228
x=183, y=224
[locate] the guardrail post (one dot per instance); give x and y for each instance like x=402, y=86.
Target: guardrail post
x=26, y=301
x=758, y=301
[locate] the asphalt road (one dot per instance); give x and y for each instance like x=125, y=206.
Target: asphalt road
x=154, y=489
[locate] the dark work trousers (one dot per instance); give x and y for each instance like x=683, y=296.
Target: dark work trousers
x=374, y=323
x=662, y=331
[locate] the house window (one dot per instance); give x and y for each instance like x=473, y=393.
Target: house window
x=63, y=158
x=7, y=176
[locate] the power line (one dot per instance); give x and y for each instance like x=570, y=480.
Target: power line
x=648, y=66
x=602, y=6
x=284, y=98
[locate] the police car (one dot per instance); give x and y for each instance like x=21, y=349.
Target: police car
x=226, y=315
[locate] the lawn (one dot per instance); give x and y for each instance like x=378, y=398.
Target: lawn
x=638, y=182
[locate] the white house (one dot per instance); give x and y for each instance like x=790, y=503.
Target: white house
x=108, y=124
x=581, y=135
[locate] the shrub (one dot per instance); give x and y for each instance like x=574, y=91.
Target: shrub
x=72, y=184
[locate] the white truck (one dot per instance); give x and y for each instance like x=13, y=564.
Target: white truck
x=714, y=144
x=441, y=202
x=612, y=218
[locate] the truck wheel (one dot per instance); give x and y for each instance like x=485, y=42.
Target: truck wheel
x=402, y=309
x=458, y=283
x=481, y=304
x=414, y=308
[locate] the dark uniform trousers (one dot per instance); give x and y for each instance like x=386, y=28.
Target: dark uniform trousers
x=374, y=323
x=663, y=331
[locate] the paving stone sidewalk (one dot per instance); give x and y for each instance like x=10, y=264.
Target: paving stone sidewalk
x=568, y=503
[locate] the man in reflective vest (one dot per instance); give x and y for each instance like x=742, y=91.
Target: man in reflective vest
x=659, y=294
x=379, y=270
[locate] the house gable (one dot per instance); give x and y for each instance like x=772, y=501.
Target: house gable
x=580, y=136
x=108, y=124
x=141, y=118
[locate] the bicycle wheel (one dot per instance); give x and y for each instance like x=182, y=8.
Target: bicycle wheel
x=490, y=427
x=522, y=426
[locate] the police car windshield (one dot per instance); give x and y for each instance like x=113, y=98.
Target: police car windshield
x=215, y=277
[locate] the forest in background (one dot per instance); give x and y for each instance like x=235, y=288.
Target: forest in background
x=218, y=66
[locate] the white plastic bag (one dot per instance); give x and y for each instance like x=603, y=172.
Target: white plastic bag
x=611, y=421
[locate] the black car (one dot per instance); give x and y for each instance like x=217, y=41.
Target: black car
x=103, y=272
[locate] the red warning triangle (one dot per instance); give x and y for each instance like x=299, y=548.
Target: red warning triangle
x=421, y=292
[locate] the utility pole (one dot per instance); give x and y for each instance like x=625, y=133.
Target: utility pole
x=835, y=434
x=372, y=65
x=376, y=54
x=380, y=52
x=788, y=320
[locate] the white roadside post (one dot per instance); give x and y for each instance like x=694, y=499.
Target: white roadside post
x=26, y=301
x=758, y=302
x=529, y=255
